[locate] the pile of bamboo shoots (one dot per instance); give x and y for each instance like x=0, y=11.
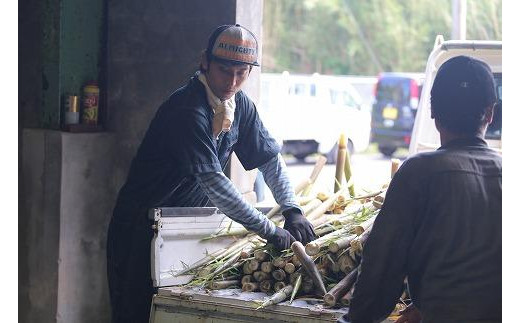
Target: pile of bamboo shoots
x=325, y=268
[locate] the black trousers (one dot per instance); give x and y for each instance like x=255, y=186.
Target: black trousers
x=129, y=270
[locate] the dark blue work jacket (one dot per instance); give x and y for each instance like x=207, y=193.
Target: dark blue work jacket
x=179, y=143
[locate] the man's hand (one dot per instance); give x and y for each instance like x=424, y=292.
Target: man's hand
x=281, y=239
x=298, y=226
x=409, y=315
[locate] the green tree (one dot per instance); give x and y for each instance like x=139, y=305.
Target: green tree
x=364, y=37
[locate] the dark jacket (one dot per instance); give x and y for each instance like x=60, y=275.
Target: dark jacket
x=441, y=226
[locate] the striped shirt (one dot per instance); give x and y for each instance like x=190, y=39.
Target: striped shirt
x=224, y=195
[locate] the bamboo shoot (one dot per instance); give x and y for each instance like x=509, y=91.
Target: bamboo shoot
x=308, y=266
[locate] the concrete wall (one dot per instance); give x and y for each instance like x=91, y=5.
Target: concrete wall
x=86, y=205
x=39, y=229
x=69, y=181
x=65, y=215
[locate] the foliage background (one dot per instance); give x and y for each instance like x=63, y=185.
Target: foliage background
x=364, y=37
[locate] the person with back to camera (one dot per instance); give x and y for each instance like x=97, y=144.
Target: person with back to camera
x=180, y=162
x=441, y=223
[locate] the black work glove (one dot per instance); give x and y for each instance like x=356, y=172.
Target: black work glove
x=298, y=226
x=281, y=239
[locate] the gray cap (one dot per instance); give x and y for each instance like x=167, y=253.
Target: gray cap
x=233, y=43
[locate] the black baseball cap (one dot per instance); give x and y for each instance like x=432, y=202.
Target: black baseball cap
x=233, y=43
x=463, y=83
x=462, y=91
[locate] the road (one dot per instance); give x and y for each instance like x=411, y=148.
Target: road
x=370, y=172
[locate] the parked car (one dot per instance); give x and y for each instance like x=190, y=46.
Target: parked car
x=309, y=112
x=393, y=112
x=425, y=136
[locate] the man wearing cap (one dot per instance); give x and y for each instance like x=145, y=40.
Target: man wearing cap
x=180, y=162
x=440, y=225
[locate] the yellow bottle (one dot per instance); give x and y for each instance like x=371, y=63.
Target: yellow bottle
x=90, y=104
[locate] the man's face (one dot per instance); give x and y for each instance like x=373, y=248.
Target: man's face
x=226, y=80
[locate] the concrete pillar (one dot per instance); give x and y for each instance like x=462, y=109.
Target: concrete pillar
x=458, y=13
x=64, y=218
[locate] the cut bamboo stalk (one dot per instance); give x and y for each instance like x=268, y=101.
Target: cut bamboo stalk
x=260, y=255
x=303, y=185
x=332, y=264
x=362, y=227
x=334, y=267
x=289, y=268
x=341, y=243
x=293, y=277
x=341, y=288
x=337, y=210
x=266, y=266
x=320, y=210
x=277, y=297
x=279, y=274
x=245, y=269
x=236, y=265
x=226, y=265
x=297, y=285
x=311, y=206
x=260, y=276
x=250, y=287
x=308, y=266
x=250, y=266
x=322, y=196
x=246, y=279
x=356, y=245
x=345, y=300
x=278, y=285
x=346, y=264
x=296, y=262
x=266, y=285
x=213, y=256
x=325, y=218
x=318, y=166
x=378, y=201
x=340, y=163
x=253, y=264
x=307, y=190
x=335, y=220
x=348, y=175
x=223, y=284
x=205, y=272
x=304, y=200
x=395, y=166
x=279, y=262
x=313, y=248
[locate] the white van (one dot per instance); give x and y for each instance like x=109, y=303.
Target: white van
x=309, y=112
x=425, y=136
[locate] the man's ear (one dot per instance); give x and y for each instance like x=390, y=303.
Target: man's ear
x=489, y=113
